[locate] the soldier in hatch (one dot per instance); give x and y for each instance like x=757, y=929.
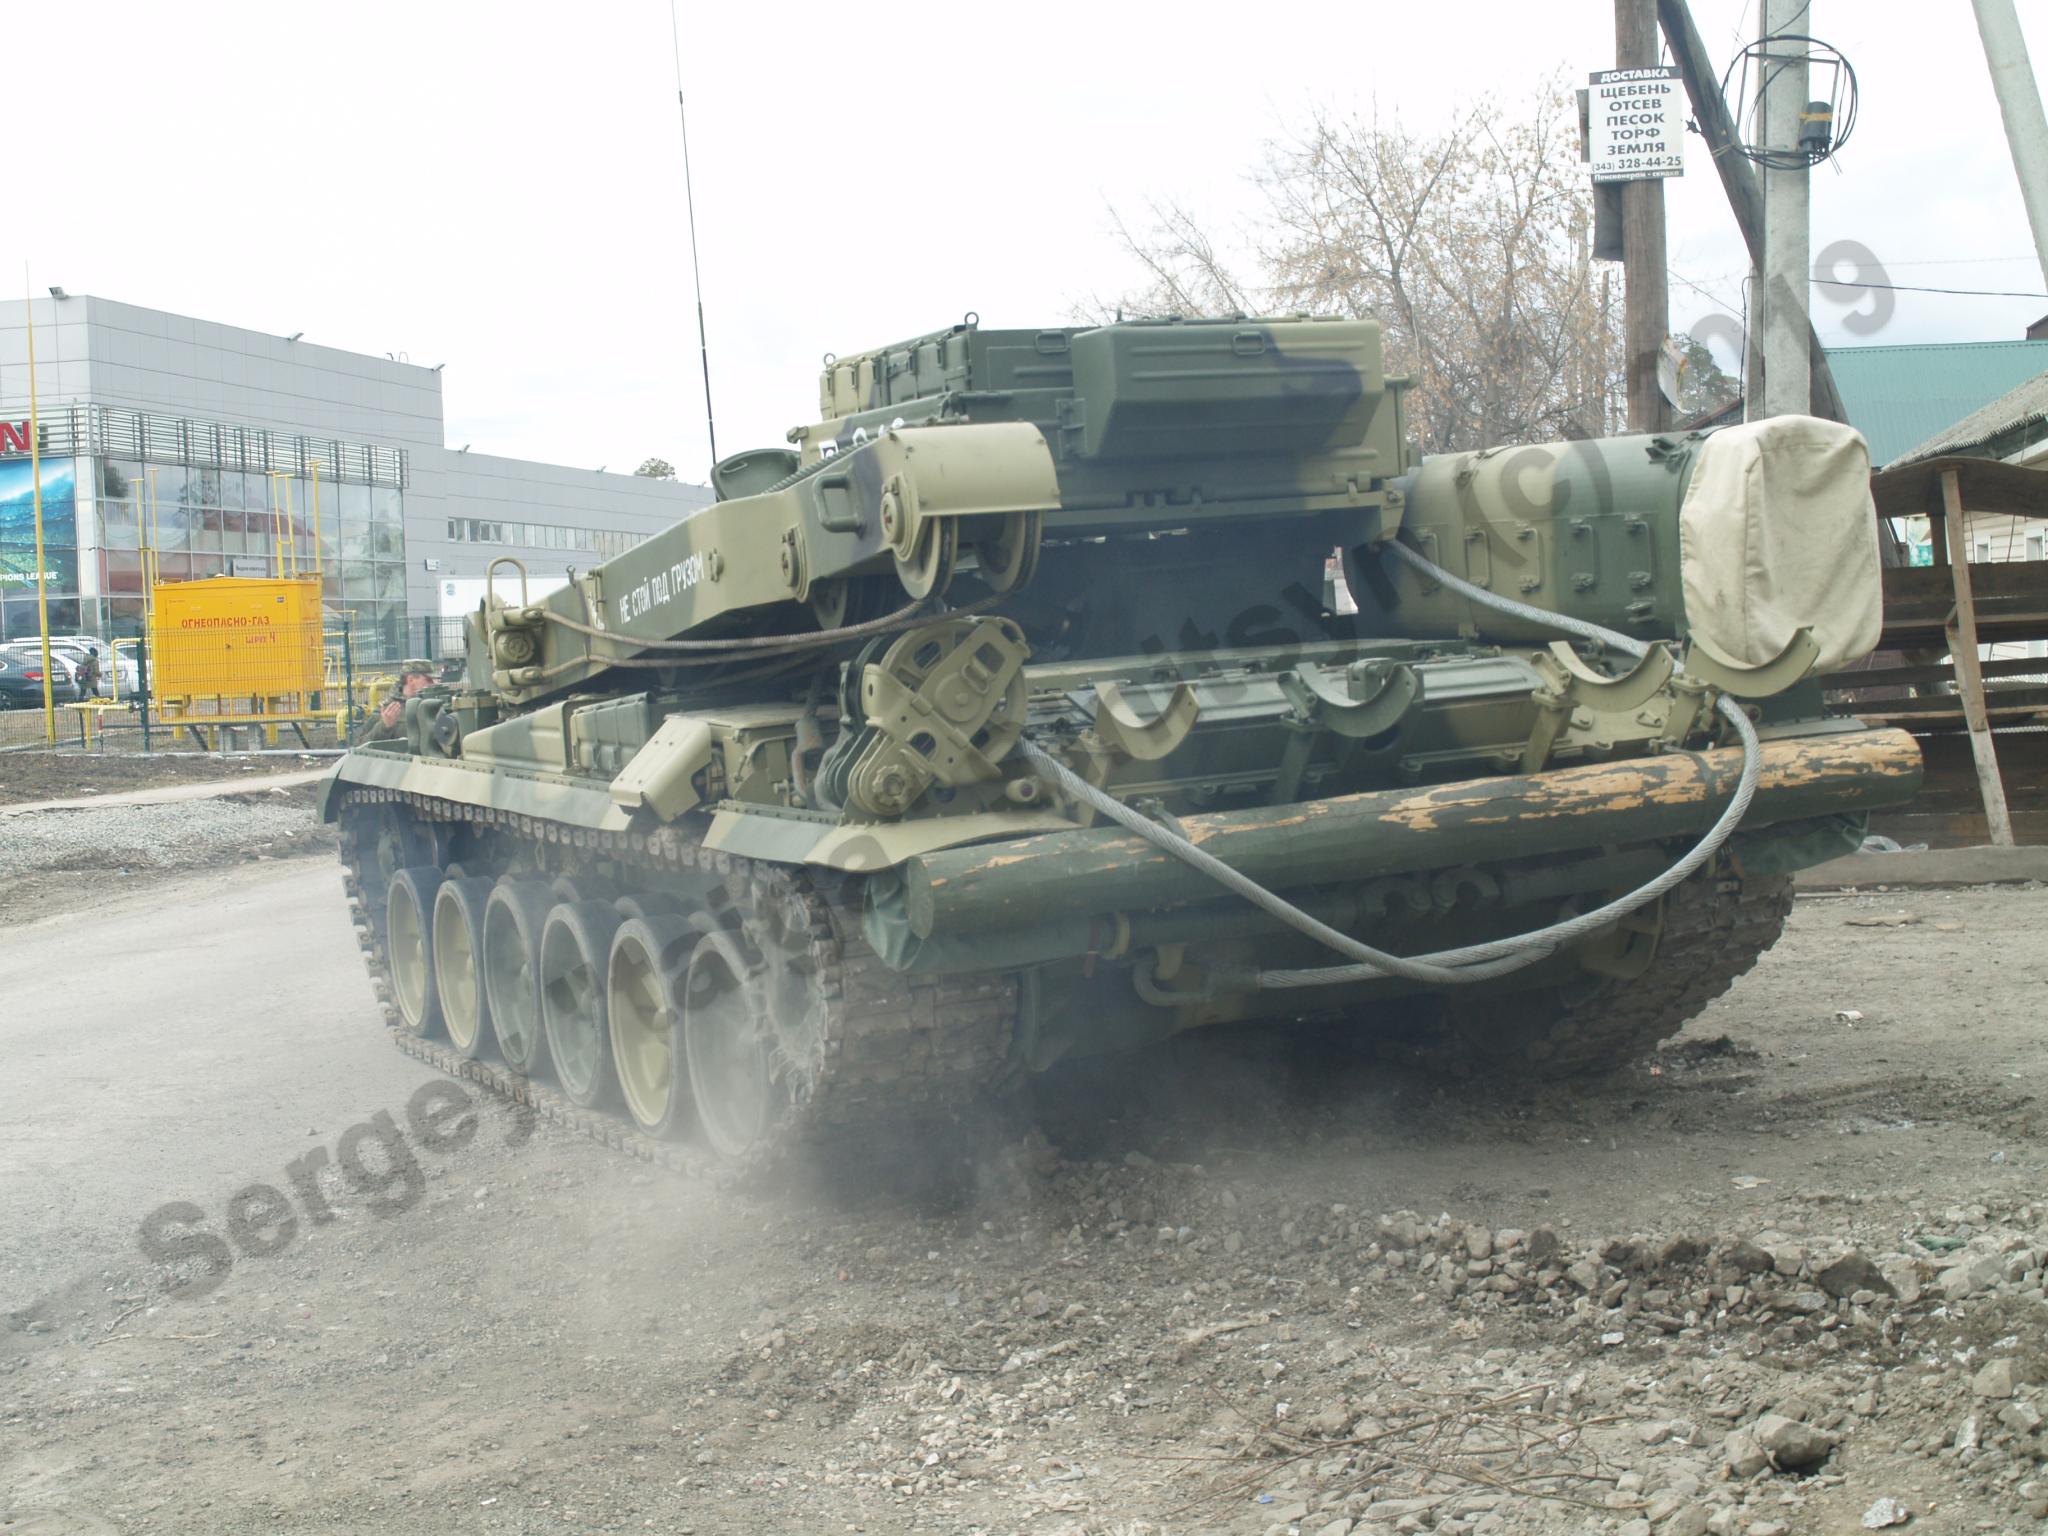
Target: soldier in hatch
x=413, y=677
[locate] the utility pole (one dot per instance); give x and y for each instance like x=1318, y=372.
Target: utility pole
x=1646, y=291
x=35, y=476
x=1745, y=198
x=1782, y=294
x=2019, y=103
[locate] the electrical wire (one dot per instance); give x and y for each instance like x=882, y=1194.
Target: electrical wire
x=1842, y=103
x=744, y=647
x=1967, y=293
x=1860, y=285
x=741, y=643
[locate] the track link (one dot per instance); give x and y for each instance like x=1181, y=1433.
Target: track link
x=1715, y=927
x=895, y=1051
x=889, y=1049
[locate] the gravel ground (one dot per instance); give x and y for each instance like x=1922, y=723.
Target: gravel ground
x=56, y=861
x=64, y=775
x=1785, y=1277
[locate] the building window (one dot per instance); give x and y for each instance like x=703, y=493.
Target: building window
x=605, y=542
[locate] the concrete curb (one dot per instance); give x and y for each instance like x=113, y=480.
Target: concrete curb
x=1926, y=868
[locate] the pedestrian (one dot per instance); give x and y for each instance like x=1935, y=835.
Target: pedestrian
x=89, y=673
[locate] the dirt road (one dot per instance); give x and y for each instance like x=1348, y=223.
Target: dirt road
x=1790, y=1269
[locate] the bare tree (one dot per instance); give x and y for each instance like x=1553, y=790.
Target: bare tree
x=1469, y=246
x=1186, y=275
x=1703, y=385
x=656, y=469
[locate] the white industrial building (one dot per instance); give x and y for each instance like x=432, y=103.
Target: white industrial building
x=228, y=451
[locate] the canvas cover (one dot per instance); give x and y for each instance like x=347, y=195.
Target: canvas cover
x=1777, y=532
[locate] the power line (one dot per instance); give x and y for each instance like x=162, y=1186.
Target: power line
x=1960, y=261
x=1967, y=293
x=1706, y=293
x=1858, y=283
x=1887, y=265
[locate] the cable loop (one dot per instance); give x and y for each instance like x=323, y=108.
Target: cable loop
x=1472, y=962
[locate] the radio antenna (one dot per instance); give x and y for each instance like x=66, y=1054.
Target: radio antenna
x=690, y=203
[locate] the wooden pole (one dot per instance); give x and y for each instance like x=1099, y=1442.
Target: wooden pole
x=1647, y=292
x=2019, y=103
x=1962, y=645
x=1055, y=875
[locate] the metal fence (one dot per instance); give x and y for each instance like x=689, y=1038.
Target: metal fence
x=293, y=686
x=90, y=428
x=435, y=637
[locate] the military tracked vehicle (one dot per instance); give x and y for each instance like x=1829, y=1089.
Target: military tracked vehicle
x=1006, y=715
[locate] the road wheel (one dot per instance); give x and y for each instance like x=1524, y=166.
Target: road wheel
x=513, y=919
x=575, y=950
x=649, y=955
x=729, y=1043
x=408, y=901
x=458, y=954
x=392, y=840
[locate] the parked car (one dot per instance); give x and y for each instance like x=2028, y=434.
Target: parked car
x=74, y=651
x=110, y=660
x=32, y=650
x=21, y=680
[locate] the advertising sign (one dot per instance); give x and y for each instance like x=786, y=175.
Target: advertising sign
x=18, y=519
x=1635, y=123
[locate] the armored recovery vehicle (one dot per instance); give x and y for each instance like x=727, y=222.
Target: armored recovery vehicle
x=1005, y=716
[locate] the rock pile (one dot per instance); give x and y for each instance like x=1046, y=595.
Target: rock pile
x=1330, y=1371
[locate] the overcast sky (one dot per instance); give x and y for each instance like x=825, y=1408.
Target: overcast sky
x=499, y=186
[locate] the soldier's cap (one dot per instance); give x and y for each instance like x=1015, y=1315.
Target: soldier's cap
x=414, y=664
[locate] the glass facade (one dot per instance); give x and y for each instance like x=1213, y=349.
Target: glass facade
x=205, y=522
x=141, y=496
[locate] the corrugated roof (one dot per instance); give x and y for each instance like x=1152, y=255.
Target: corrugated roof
x=1902, y=397
x=2012, y=410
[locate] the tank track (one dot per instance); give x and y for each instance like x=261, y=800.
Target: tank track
x=893, y=1049
x=1715, y=927
x=899, y=1051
